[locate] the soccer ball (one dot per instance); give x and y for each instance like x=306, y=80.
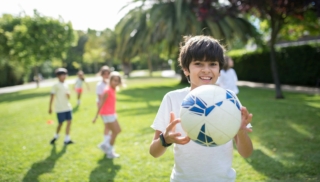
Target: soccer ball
x=210, y=115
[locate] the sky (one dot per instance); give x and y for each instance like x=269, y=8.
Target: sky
x=84, y=14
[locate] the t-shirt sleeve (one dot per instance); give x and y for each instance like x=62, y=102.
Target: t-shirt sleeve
x=54, y=89
x=162, y=118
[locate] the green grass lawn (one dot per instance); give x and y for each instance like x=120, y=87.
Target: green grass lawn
x=286, y=137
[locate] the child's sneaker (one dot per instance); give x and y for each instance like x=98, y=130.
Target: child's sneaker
x=103, y=147
x=68, y=142
x=112, y=155
x=52, y=141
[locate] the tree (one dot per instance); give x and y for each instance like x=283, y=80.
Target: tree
x=32, y=40
x=163, y=23
x=74, y=59
x=277, y=12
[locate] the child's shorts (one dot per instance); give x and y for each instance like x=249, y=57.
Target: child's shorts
x=109, y=118
x=78, y=90
x=62, y=116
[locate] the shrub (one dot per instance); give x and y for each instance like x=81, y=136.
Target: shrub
x=299, y=65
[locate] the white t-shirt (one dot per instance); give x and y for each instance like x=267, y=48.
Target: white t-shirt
x=78, y=83
x=228, y=80
x=101, y=85
x=193, y=162
x=60, y=90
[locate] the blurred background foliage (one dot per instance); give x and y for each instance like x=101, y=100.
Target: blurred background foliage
x=148, y=36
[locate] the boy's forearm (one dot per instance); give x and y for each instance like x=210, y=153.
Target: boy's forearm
x=156, y=149
x=51, y=100
x=244, y=144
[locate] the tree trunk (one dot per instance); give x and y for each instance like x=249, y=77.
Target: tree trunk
x=95, y=67
x=36, y=76
x=150, y=66
x=126, y=68
x=274, y=32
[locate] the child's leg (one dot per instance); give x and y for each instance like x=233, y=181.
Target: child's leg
x=68, y=127
x=79, y=95
x=56, y=136
x=58, y=128
x=107, y=136
x=115, y=129
x=69, y=119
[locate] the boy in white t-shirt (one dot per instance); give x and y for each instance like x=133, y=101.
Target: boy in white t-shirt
x=228, y=77
x=60, y=91
x=201, y=58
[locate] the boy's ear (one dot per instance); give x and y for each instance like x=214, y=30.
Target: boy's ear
x=186, y=72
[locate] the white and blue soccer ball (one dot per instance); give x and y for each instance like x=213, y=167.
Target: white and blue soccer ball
x=210, y=115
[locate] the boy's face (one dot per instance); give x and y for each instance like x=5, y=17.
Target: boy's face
x=62, y=77
x=203, y=73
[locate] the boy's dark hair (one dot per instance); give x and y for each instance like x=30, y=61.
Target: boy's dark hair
x=202, y=48
x=61, y=71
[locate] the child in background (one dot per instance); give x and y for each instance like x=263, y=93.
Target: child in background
x=228, y=77
x=201, y=59
x=108, y=114
x=78, y=85
x=100, y=87
x=60, y=92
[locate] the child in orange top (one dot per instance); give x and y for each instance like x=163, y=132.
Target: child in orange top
x=108, y=114
x=78, y=85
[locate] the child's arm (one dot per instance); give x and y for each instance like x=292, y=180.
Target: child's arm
x=243, y=141
x=170, y=136
x=50, y=103
x=101, y=102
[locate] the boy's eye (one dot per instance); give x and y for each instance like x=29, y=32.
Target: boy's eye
x=197, y=63
x=213, y=64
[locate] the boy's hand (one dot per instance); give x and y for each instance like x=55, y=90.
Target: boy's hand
x=170, y=134
x=246, y=118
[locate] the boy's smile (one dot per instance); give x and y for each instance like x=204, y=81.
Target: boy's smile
x=203, y=73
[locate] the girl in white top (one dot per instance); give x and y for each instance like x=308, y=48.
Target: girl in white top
x=201, y=58
x=228, y=77
x=78, y=85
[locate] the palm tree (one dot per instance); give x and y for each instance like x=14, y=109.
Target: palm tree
x=165, y=22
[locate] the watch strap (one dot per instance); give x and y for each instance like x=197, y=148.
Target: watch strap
x=163, y=141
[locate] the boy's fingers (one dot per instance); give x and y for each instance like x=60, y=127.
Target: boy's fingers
x=171, y=117
x=183, y=140
x=175, y=134
x=172, y=125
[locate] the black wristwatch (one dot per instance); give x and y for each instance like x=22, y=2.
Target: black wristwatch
x=163, y=141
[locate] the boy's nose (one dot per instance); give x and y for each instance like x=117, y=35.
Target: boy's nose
x=205, y=69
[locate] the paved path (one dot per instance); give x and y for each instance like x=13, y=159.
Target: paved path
x=166, y=73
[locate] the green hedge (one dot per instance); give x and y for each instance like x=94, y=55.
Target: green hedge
x=299, y=65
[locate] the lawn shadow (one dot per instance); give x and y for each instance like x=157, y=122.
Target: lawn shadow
x=265, y=164
x=44, y=166
x=106, y=171
x=145, y=95
x=288, y=130
x=18, y=96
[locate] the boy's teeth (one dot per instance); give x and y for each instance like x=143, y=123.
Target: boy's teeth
x=205, y=78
